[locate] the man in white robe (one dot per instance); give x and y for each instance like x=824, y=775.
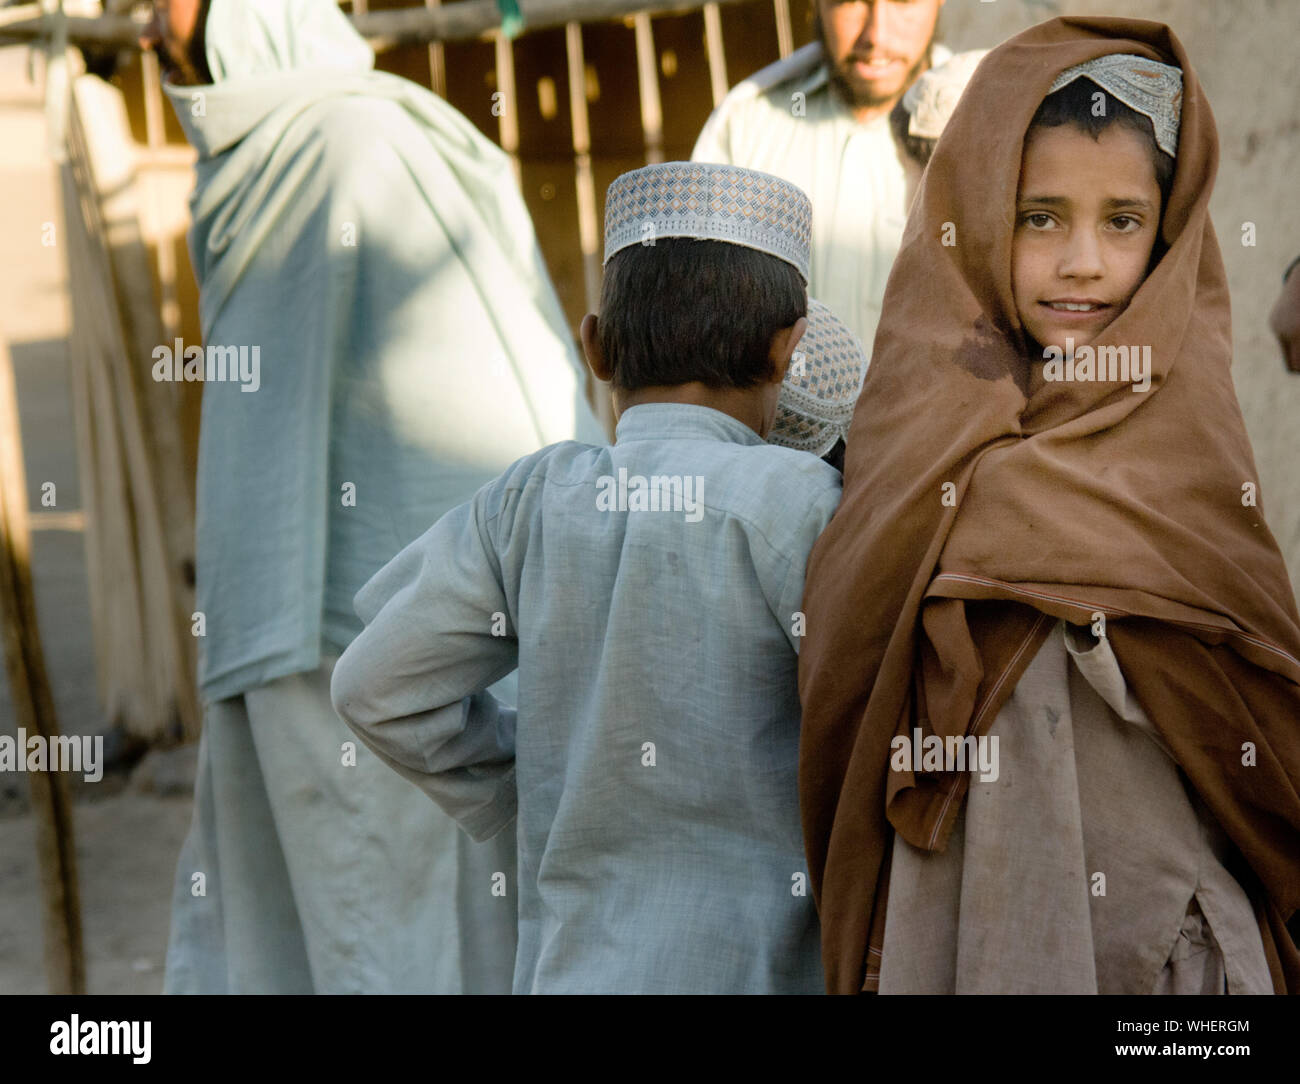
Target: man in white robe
x=820, y=119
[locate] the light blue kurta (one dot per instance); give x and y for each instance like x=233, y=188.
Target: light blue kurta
x=652, y=762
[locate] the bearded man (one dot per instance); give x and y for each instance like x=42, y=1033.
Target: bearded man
x=820, y=119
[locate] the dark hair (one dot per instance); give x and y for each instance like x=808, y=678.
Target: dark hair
x=679, y=310
x=1073, y=104
x=198, y=47
x=917, y=148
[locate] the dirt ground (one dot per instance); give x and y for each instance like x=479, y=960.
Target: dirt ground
x=128, y=840
x=126, y=852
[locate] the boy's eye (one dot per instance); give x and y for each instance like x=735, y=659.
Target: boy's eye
x=1037, y=220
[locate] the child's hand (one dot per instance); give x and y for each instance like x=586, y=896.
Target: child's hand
x=1285, y=319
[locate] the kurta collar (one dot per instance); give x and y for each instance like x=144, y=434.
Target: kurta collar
x=681, y=421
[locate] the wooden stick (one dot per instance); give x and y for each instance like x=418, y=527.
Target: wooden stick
x=508, y=118
x=647, y=68
x=784, y=28
x=470, y=19
x=29, y=686
x=155, y=135
x=465, y=20
x=79, y=351
x=105, y=30
x=713, y=48
x=588, y=222
x=437, y=60
x=19, y=13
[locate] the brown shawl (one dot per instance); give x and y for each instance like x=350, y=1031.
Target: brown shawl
x=1073, y=499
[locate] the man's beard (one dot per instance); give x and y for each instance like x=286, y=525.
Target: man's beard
x=855, y=92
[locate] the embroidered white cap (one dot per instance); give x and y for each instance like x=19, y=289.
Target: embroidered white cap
x=709, y=202
x=932, y=98
x=821, y=386
x=1153, y=89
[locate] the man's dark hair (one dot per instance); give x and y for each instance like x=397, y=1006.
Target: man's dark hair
x=198, y=51
x=682, y=310
x=1073, y=104
x=917, y=148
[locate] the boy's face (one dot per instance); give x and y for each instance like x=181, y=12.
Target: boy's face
x=1087, y=217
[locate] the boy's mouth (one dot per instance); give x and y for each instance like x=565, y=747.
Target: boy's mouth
x=1075, y=307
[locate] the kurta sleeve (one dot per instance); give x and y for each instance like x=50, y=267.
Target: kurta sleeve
x=411, y=685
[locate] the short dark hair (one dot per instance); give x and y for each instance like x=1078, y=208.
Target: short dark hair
x=198, y=47
x=1073, y=104
x=681, y=310
x=917, y=148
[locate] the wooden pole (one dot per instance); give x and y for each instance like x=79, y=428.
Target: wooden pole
x=437, y=60
x=588, y=222
x=466, y=20
x=156, y=137
x=105, y=633
x=647, y=69
x=508, y=118
x=29, y=687
x=713, y=48
x=784, y=28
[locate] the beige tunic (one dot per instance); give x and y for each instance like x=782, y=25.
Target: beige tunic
x=1087, y=866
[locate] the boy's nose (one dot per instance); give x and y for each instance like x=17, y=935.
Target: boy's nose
x=1081, y=257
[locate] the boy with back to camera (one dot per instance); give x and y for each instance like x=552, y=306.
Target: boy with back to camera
x=649, y=594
